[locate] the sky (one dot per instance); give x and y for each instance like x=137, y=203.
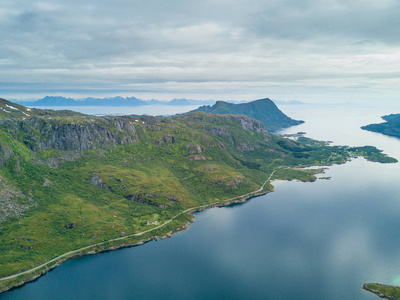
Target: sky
x=327, y=51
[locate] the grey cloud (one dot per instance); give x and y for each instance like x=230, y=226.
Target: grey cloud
x=331, y=20
x=160, y=44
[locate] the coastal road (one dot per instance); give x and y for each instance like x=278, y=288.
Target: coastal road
x=70, y=253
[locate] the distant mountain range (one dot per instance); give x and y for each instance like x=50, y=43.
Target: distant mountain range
x=263, y=110
x=112, y=101
x=128, y=102
x=391, y=127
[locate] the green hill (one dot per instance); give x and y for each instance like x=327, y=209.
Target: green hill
x=391, y=127
x=72, y=184
x=263, y=110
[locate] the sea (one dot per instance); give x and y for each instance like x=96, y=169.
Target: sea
x=319, y=240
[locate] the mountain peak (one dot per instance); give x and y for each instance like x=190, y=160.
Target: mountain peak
x=263, y=110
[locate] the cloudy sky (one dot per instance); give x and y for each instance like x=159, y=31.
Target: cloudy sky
x=314, y=51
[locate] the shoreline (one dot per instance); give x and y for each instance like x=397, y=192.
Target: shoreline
x=235, y=200
x=93, y=252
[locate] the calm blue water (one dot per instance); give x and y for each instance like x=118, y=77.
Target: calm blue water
x=319, y=240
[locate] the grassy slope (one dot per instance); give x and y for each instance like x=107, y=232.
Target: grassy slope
x=177, y=164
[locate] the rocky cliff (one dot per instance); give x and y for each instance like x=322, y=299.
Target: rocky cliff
x=84, y=133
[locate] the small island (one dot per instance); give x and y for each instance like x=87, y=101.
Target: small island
x=383, y=291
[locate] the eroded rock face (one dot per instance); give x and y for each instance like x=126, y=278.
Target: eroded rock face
x=252, y=125
x=97, y=181
x=5, y=153
x=146, y=198
x=13, y=203
x=195, y=149
x=54, y=161
x=234, y=182
x=244, y=147
x=245, y=122
x=166, y=139
x=140, y=198
x=83, y=134
x=197, y=157
x=172, y=198
x=218, y=131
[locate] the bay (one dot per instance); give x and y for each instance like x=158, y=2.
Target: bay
x=318, y=240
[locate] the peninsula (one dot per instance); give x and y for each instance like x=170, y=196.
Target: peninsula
x=263, y=110
x=74, y=184
x=391, y=127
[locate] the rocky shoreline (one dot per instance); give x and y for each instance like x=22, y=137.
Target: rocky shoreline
x=227, y=203
x=141, y=242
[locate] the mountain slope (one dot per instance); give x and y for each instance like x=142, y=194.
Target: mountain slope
x=9, y=110
x=263, y=110
x=111, y=101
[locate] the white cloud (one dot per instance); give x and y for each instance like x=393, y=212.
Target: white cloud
x=46, y=6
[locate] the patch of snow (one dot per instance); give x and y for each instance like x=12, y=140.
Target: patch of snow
x=12, y=107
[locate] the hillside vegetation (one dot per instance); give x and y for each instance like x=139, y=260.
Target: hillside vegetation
x=69, y=180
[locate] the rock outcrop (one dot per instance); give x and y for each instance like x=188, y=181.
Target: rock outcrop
x=13, y=203
x=5, y=154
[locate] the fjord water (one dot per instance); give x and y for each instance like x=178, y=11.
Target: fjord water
x=318, y=240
